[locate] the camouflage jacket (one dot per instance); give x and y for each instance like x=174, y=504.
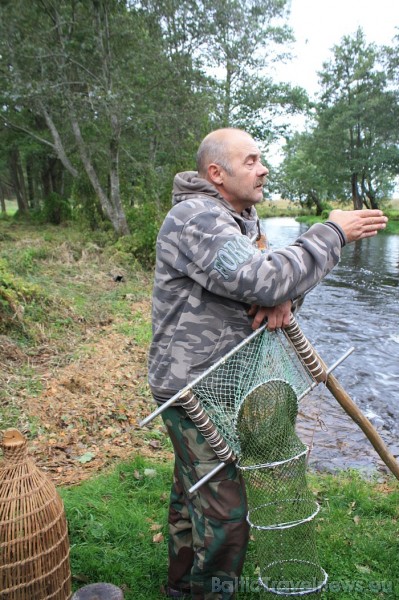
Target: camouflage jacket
x=208, y=273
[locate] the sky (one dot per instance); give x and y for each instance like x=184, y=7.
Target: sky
x=320, y=24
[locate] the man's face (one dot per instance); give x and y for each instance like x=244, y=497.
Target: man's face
x=243, y=186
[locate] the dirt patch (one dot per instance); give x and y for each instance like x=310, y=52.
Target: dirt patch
x=89, y=410
x=10, y=353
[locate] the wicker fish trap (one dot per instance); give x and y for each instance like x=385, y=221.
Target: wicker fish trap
x=34, y=545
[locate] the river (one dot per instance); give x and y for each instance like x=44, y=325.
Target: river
x=356, y=305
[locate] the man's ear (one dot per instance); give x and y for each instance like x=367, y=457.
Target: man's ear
x=215, y=174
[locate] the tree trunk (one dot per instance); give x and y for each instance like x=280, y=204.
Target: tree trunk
x=58, y=145
x=17, y=179
x=373, y=201
x=317, y=202
x=369, y=193
x=227, y=97
x=2, y=200
x=31, y=187
x=114, y=212
x=356, y=198
x=46, y=180
x=119, y=214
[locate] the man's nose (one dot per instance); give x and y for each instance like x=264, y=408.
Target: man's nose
x=263, y=171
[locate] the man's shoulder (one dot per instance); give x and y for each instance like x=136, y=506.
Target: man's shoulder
x=195, y=205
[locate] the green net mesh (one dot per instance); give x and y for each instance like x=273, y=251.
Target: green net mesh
x=252, y=400
x=266, y=356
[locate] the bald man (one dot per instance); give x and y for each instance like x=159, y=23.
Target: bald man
x=212, y=287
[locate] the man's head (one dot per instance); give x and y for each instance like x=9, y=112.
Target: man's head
x=231, y=160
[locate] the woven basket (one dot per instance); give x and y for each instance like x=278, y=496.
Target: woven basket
x=34, y=545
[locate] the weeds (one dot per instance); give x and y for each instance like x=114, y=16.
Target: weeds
x=57, y=291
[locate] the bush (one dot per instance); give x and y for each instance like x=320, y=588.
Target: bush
x=56, y=209
x=144, y=222
x=86, y=206
x=15, y=295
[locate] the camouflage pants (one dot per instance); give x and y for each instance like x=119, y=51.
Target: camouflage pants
x=208, y=531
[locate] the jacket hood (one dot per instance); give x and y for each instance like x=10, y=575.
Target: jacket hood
x=187, y=184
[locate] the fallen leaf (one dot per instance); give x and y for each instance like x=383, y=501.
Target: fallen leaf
x=157, y=538
x=150, y=472
x=363, y=568
x=85, y=458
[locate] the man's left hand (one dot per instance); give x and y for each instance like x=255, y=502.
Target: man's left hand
x=277, y=316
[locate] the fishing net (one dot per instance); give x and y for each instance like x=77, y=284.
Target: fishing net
x=247, y=408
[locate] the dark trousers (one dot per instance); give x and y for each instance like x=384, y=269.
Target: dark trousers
x=208, y=531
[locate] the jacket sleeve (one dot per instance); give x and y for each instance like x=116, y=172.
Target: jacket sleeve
x=210, y=249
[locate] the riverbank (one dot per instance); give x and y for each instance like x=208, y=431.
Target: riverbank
x=285, y=208
x=74, y=334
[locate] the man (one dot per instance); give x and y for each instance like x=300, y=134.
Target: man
x=212, y=286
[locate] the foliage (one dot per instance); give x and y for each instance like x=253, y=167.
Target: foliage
x=356, y=120
x=56, y=209
x=98, y=94
x=299, y=177
x=350, y=151
x=95, y=83
x=16, y=295
x=244, y=40
x=144, y=225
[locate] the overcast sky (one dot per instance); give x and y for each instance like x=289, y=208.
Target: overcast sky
x=320, y=24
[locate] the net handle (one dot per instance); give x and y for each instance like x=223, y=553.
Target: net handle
x=305, y=351
x=204, y=424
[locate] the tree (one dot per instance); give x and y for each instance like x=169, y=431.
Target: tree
x=244, y=40
x=356, y=123
x=118, y=93
x=299, y=177
x=102, y=79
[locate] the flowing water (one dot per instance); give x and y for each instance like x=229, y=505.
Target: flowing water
x=356, y=305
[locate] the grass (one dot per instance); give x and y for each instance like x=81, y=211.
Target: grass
x=56, y=288
x=113, y=522
x=118, y=533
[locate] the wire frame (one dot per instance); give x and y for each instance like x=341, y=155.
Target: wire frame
x=281, y=508
x=34, y=545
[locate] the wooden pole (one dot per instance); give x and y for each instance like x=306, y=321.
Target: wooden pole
x=293, y=334
x=362, y=421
